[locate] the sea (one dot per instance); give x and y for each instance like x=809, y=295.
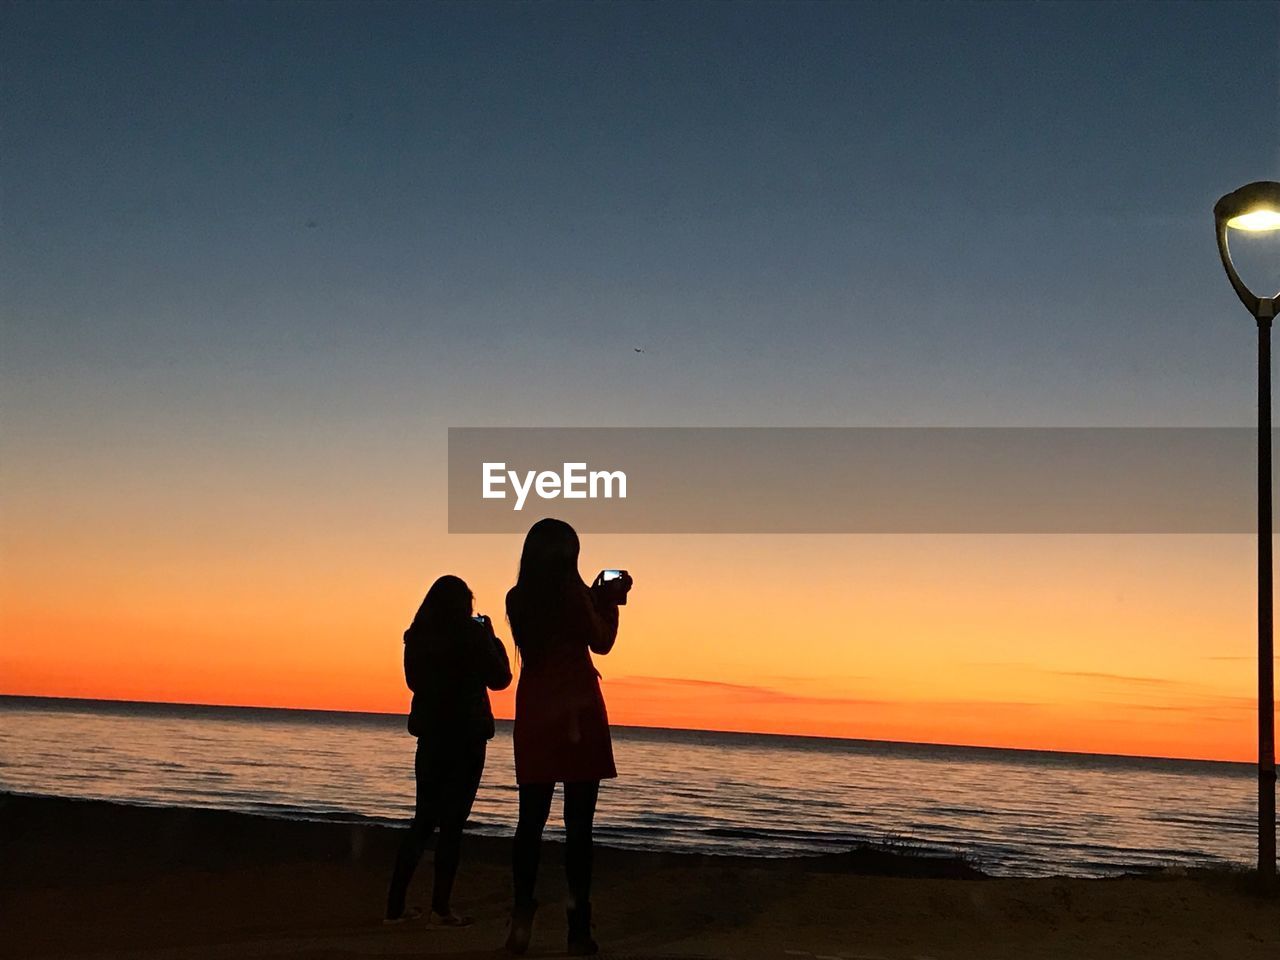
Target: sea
x=1009, y=812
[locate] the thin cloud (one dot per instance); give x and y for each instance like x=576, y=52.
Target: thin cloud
x=741, y=692
x=1116, y=677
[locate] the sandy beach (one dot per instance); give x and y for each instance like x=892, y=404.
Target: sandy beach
x=89, y=879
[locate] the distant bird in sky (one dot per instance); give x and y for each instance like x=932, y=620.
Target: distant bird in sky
x=311, y=224
x=637, y=349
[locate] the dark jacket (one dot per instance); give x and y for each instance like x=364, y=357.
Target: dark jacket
x=451, y=673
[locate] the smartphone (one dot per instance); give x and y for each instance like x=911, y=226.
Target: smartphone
x=609, y=582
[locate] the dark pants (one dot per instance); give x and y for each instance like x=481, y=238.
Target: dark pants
x=447, y=779
x=579, y=815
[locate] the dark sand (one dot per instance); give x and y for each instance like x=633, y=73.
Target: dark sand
x=87, y=879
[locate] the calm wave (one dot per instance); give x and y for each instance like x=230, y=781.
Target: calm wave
x=1012, y=812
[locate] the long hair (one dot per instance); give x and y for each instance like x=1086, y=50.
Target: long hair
x=548, y=565
x=447, y=604
x=549, y=557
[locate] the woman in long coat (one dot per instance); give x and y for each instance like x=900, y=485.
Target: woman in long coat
x=561, y=727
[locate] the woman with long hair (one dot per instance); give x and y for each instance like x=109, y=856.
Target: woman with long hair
x=451, y=662
x=561, y=728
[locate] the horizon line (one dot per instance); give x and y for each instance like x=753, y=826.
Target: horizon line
x=633, y=726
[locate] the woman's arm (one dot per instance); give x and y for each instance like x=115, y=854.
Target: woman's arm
x=596, y=620
x=494, y=665
x=608, y=630
x=415, y=667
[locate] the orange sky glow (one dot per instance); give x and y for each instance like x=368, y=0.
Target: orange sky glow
x=1134, y=645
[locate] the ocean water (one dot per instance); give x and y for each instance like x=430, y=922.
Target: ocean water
x=1012, y=812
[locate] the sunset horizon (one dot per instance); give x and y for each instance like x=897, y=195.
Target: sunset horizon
x=633, y=725
x=997, y=648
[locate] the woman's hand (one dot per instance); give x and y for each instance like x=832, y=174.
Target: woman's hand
x=614, y=591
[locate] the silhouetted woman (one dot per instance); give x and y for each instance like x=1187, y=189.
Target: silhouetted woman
x=451, y=662
x=561, y=729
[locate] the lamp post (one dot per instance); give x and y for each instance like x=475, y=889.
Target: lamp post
x=1255, y=207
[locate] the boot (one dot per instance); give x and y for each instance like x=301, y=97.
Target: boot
x=581, y=943
x=521, y=927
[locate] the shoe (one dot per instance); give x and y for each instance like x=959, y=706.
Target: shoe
x=521, y=927
x=581, y=943
x=449, y=919
x=410, y=913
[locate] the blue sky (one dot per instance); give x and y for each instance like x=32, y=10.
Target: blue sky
x=828, y=213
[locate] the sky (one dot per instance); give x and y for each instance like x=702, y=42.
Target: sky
x=255, y=259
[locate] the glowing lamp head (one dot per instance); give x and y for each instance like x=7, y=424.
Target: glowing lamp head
x=1256, y=221
x=1254, y=208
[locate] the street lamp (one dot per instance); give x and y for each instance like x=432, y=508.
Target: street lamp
x=1255, y=207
